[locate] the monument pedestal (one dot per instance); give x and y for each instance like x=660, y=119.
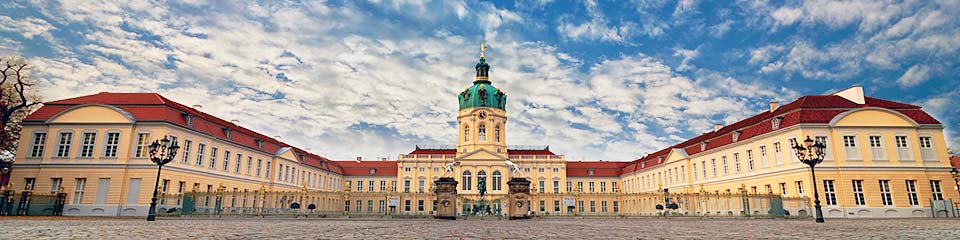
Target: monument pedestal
x=446, y=191
x=519, y=198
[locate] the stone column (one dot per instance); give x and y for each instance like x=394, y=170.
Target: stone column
x=518, y=198
x=446, y=191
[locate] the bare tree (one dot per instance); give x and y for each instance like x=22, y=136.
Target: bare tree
x=16, y=100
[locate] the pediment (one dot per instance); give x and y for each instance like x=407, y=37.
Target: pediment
x=482, y=154
x=677, y=154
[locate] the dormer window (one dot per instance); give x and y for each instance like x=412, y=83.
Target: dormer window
x=373, y=171
x=776, y=122
x=226, y=132
x=590, y=171
x=259, y=143
x=643, y=164
x=660, y=159
x=703, y=146
x=188, y=118
x=736, y=135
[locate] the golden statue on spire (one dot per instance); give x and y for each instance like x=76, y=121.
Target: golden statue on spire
x=483, y=48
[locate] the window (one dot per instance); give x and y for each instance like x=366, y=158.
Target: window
x=750, y=160
x=783, y=189
x=763, y=156
x=29, y=183
x=466, y=180
x=819, y=139
x=543, y=207
x=406, y=185
x=370, y=186
x=778, y=153
x=496, y=133
x=39, y=140
x=359, y=205
x=580, y=203
x=613, y=186
x=346, y=206
x=78, y=190
x=616, y=206
x=406, y=205
x=540, y=186
x=213, y=157
x=55, y=184
x=736, y=162
x=926, y=149
x=876, y=148
x=482, y=133
x=903, y=149
x=359, y=186
x=829, y=193
x=702, y=164
x=603, y=186
x=858, y=193
x=695, y=171
x=556, y=205
x=383, y=186
x=421, y=184
x=800, y=188
x=935, y=190
x=713, y=164
x=885, y=193
x=466, y=134
x=185, y=150
x=63, y=147
x=267, y=171
x=112, y=144
x=579, y=187
x=226, y=160
x=143, y=139
x=569, y=187
x=912, y=192
x=200, y=149
x=420, y=205
x=259, y=163
x=850, y=148
x=724, y=162
x=592, y=187
x=497, y=178
x=88, y=143
x=593, y=206
x=603, y=206
x=556, y=186
x=249, y=163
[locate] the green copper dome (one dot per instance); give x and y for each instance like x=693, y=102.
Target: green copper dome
x=482, y=94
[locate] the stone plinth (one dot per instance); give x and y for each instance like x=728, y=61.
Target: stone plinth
x=519, y=198
x=446, y=191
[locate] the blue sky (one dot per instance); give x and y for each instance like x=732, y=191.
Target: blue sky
x=592, y=79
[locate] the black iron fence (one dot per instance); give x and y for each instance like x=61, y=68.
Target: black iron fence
x=28, y=203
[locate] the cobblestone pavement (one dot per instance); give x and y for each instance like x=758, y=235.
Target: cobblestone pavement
x=650, y=228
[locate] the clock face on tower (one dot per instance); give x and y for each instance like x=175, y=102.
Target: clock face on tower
x=482, y=115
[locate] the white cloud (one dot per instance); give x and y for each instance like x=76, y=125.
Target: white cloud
x=29, y=27
x=914, y=76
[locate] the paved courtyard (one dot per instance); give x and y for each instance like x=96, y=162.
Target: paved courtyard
x=108, y=228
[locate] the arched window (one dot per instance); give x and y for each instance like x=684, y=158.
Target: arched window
x=482, y=133
x=466, y=180
x=496, y=181
x=496, y=133
x=466, y=133
x=481, y=177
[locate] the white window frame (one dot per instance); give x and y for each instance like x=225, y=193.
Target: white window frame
x=877, y=150
x=904, y=151
x=928, y=152
x=38, y=144
x=858, y=196
x=108, y=146
x=851, y=148
x=87, y=150
x=885, y=196
x=63, y=148
x=141, y=148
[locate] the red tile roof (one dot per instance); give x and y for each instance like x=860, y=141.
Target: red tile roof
x=600, y=168
x=955, y=162
x=807, y=109
x=154, y=107
x=362, y=168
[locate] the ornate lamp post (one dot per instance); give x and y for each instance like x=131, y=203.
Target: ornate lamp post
x=811, y=153
x=956, y=178
x=161, y=153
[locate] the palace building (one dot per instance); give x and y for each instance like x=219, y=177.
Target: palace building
x=884, y=159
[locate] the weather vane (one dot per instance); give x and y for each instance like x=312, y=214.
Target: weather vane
x=483, y=49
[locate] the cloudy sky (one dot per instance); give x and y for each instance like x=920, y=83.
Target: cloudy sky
x=592, y=79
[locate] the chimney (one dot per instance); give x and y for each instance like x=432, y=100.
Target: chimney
x=383, y=159
x=717, y=127
x=235, y=122
x=774, y=105
x=198, y=107
x=277, y=137
x=359, y=158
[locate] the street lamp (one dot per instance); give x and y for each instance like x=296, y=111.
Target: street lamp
x=956, y=178
x=161, y=153
x=811, y=153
